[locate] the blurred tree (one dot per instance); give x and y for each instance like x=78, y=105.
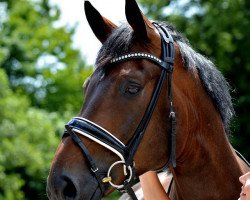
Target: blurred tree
x=27, y=145
x=40, y=88
x=38, y=56
x=219, y=30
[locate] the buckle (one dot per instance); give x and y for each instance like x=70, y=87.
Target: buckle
x=94, y=170
x=109, y=178
x=172, y=114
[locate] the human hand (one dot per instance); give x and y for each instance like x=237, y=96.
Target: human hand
x=152, y=186
x=245, y=191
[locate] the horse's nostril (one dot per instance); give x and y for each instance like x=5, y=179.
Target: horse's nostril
x=69, y=190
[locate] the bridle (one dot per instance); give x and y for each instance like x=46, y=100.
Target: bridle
x=81, y=126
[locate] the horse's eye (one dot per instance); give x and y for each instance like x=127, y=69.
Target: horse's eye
x=133, y=89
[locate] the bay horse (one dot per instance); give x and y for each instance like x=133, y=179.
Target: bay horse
x=152, y=102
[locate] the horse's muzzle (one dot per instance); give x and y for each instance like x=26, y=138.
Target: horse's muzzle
x=60, y=187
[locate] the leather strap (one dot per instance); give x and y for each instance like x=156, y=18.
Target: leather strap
x=166, y=56
x=87, y=156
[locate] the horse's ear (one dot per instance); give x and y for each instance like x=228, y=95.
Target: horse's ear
x=138, y=21
x=101, y=26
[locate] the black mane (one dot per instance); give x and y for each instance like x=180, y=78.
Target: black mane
x=213, y=81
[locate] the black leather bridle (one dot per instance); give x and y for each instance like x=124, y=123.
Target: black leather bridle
x=81, y=126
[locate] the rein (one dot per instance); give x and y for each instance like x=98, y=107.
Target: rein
x=81, y=126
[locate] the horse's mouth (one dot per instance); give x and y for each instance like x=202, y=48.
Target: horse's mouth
x=73, y=191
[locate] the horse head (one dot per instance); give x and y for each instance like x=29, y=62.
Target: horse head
x=117, y=95
x=127, y=122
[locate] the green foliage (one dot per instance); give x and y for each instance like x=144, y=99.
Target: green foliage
x=113, y=196
x=27, y=145
x=40, y=89
x=219, y=30
x=38, y=56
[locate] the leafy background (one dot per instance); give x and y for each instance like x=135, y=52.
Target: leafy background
x=41, y=76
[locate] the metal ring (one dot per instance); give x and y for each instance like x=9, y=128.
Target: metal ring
x=114, y=164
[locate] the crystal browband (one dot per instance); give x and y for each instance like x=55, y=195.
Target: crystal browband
x=164, y=64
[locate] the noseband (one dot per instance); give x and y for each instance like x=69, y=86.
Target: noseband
x=81, y=126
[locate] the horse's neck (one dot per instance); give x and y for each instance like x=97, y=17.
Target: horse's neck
x=211, y=172
x=206, y=165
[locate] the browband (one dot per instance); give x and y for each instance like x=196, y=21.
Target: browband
x=166, y=64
